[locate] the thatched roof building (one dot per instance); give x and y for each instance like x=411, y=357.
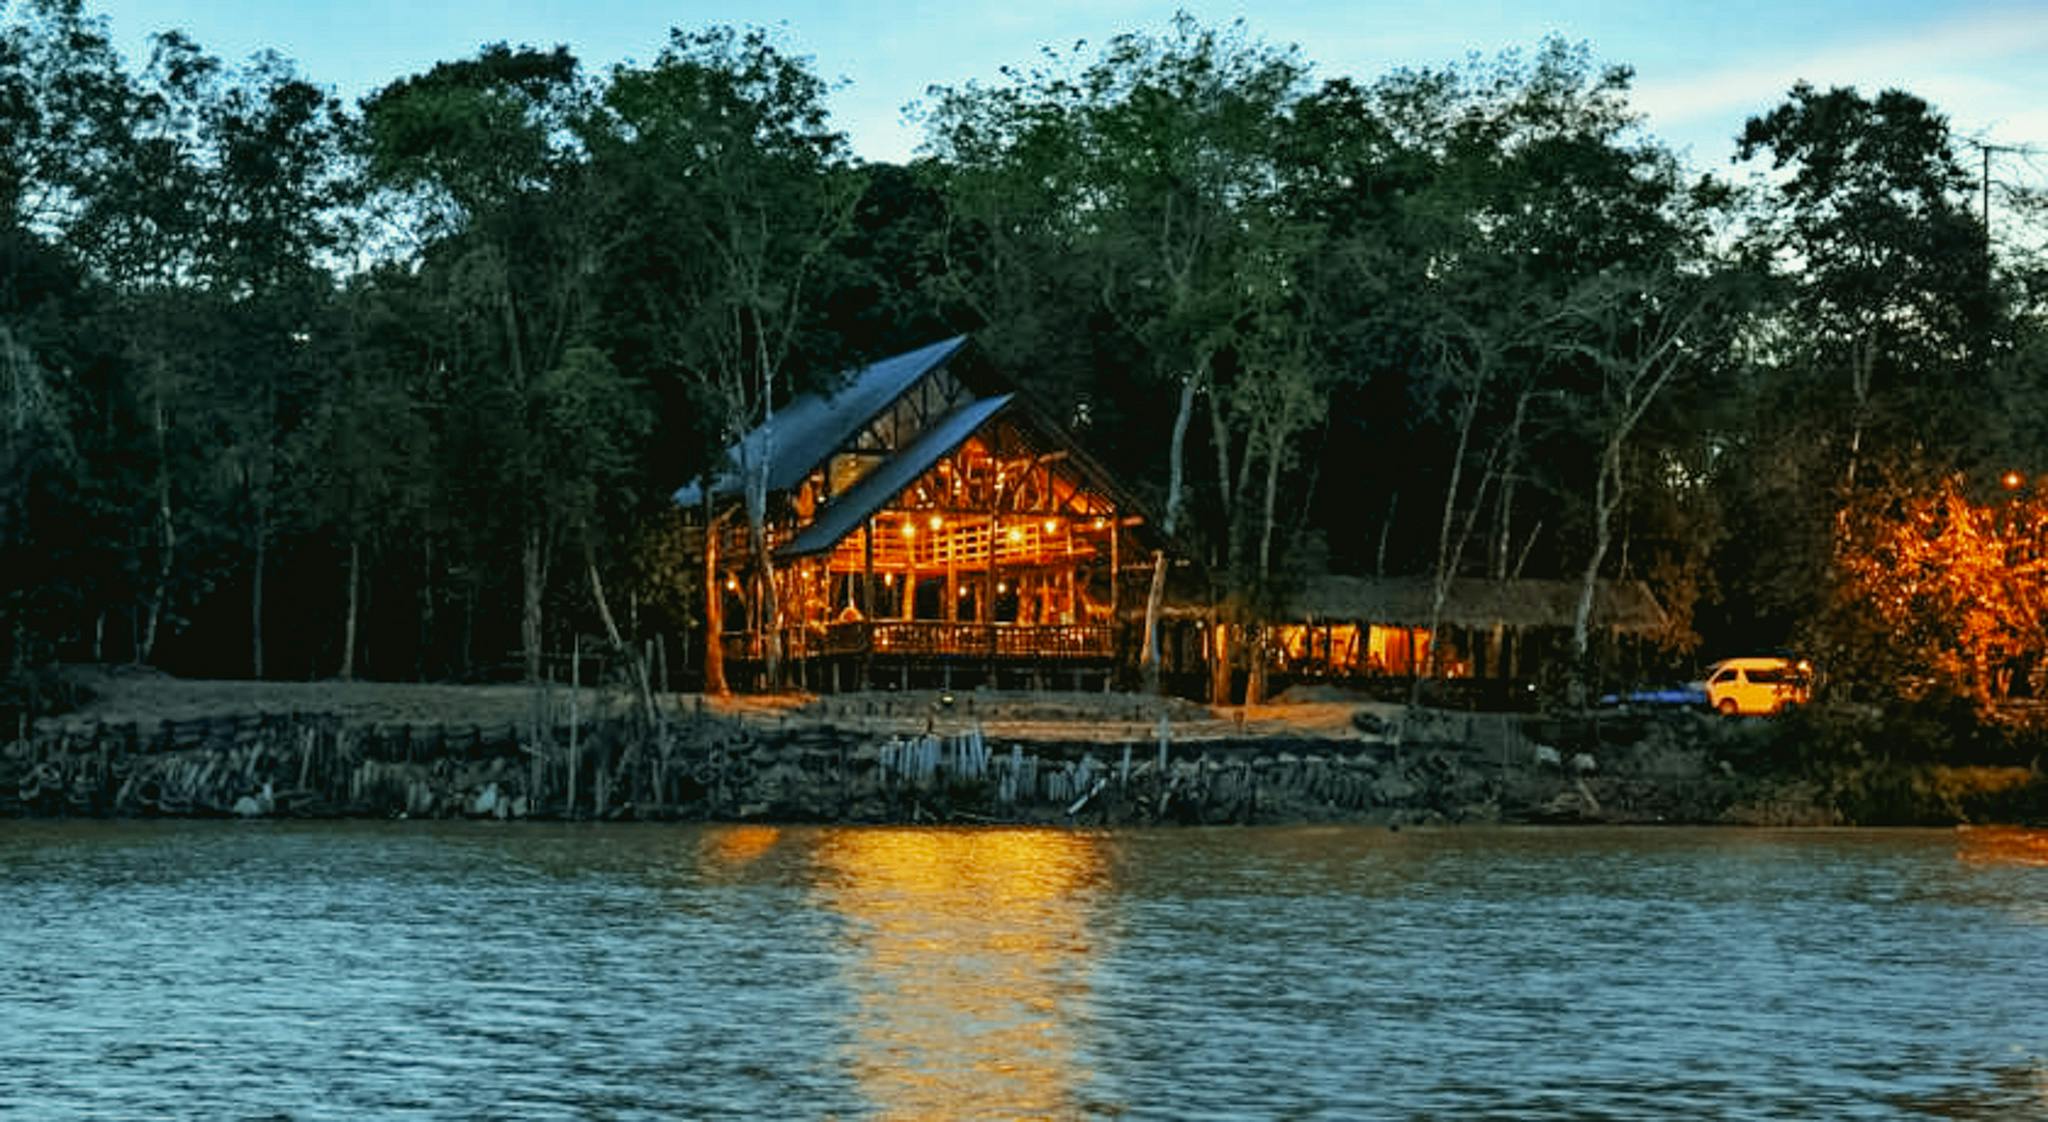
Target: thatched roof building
x=1472, y=602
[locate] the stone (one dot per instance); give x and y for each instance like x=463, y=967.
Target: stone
x=1393, y=789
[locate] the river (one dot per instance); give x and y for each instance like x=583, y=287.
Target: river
x=420, y=970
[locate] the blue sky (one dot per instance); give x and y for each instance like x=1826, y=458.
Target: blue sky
x=1701, y=67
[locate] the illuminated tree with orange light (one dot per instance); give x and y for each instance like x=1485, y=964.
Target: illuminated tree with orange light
x=1959, y=587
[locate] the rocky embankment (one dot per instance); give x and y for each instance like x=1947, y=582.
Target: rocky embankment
x=903, y=758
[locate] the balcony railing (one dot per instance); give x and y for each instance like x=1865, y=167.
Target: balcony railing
x=937, y=639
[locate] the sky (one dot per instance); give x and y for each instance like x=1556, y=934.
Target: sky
x=1701, y=68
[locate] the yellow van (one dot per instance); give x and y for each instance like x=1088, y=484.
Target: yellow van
x=1758, y=685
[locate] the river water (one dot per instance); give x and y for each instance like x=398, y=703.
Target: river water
x=400, y=970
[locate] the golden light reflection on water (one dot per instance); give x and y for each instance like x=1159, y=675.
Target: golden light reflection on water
x=729, y=846
x=2002, y=845
x=970, y=958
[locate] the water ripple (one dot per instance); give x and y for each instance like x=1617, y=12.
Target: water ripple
x=436, y=971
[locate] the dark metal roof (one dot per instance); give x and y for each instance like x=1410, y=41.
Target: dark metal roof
x=1475, y=602
x=847, y=512
x=812, y=426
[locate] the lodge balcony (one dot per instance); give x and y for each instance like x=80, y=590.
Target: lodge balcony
x=935, y=640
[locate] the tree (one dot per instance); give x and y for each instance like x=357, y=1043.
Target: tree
x=1471, y=208
x=1889, y=279
x=1153, y=162
x=271, y=211
x=742, y=191
x=484, y=152
x=1638, y=333
x=1957, y=588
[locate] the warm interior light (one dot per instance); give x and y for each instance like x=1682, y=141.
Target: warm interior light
x=1052, y=525
x=1016, y=534
x=964, y=590
x=909, y=530
x=1100, y=523
x=888, y=580
x=937, y=522
x=2012, y=480
x=732, y=584
x=1001, y=587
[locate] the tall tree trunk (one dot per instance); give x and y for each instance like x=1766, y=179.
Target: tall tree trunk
x=1270, y=508
x=768, y=618
x=767, y=600
x=635, y=663
x=532, y=575
x=348, y=626
x=425, y=647
x=167, y=530
x=1256, y=633
x=1606, y=497
x=1446, y=556
x=1156, y=597
x=1504, y=522
x=714, y=608
x=256, y=594
x=1859, y=386
x=1219, y=660
x=1255, y=660
x=1386, y=531
x=468, y=653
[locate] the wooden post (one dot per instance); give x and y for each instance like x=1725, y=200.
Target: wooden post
x=867, y=569
x=1116, y=569
x=988, y=581
x=950, y=611
x=714, y=608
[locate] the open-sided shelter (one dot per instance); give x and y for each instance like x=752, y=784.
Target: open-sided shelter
x=1366, y=626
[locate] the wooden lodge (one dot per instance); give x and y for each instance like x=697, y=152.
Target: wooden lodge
x=924, y=525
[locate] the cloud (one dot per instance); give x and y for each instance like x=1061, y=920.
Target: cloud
x=1918, y=58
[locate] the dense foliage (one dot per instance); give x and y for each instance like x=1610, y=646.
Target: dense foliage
x=296, y=388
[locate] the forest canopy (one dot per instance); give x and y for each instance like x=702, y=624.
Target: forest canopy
x=298, y=388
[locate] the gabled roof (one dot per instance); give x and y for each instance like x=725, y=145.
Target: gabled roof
x=812, y=426
x=847, y=512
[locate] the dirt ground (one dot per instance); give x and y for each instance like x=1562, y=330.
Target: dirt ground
x=123, y=695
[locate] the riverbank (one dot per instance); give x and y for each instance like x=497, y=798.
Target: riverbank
x=147, y=745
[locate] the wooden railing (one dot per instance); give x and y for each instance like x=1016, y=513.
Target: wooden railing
x=937, y=639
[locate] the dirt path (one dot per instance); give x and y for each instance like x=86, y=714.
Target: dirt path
x=123, y=696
